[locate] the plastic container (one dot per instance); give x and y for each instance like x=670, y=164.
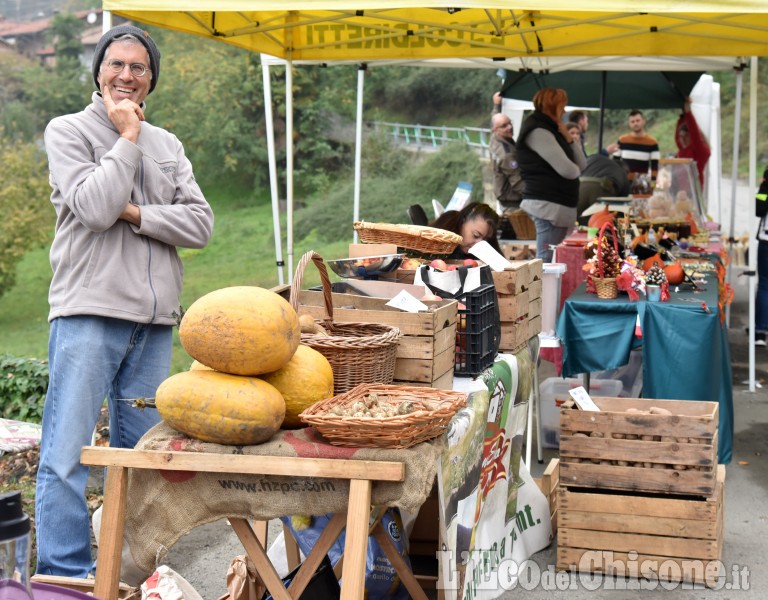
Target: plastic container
x=14, y=549
x=477, y=331
x=550, y=296
x=554, y=391
x=46, y=591
x=630, y=375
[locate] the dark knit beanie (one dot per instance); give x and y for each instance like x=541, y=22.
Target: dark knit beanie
x=143, y=36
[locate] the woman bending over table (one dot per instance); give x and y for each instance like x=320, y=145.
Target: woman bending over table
x=474, y=223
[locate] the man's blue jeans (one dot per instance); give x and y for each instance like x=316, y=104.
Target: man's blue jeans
x=547, y=235
x=90, y=359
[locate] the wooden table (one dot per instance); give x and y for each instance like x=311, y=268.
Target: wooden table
x=360, y=473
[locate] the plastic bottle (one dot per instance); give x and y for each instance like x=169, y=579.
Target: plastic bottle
x=15, y=583
x=651, y=236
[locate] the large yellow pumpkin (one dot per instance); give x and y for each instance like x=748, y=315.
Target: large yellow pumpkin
x=305, y=380
x=221, y=408
x=242, y=330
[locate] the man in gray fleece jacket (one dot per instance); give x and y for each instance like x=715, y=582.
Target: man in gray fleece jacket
x=125, y=199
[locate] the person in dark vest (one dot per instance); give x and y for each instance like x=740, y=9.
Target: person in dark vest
x=551, y=163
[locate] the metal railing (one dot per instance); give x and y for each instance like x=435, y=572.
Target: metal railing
x=430, y=137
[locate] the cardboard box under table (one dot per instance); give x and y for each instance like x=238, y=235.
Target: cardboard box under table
x=616, y=448
x=518, y=291
x=425, y=352
x=671, y=538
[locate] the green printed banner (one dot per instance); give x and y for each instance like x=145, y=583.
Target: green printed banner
x=493, y=516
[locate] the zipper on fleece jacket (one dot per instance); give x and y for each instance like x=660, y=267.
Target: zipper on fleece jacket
x=149, y=246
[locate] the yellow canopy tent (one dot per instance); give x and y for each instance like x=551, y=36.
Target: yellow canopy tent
x=511, y=31
x=331, y=30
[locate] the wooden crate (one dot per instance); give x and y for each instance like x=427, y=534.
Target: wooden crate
x=621, y=450
x=549, y=485
x=519, y=277
x=654, y=537
x=425, y=352
x=518, y=290
x=516, y=250
x=84, y=586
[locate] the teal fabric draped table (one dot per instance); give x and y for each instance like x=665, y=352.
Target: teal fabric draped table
x=684, y=346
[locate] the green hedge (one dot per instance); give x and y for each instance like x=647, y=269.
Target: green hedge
x=23, y=383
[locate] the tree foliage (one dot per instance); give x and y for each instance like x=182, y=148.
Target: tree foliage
x=385, y=195
x=15, y=119
x=65, y=33
x=49, y=92
x=27, y=212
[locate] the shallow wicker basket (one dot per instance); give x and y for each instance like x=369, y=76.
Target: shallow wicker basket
x=429, y=240
x=434, y=410
x=358, y=352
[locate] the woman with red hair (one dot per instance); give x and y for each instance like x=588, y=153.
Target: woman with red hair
x=550, y=162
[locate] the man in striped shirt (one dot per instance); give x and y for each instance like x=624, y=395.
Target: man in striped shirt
x=638, y=150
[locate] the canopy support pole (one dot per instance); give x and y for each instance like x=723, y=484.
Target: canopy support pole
x=753, y=189
x=601, y=128
x=289, y=162
x=734, y=182
x=358, y=146
x=269, y=123
x=106, y=21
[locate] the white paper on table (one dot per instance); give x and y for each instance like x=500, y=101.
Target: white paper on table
x=583, y=399
x=485, y=252
x=405, y=301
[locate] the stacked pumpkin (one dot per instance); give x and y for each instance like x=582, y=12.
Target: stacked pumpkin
x=250, y=376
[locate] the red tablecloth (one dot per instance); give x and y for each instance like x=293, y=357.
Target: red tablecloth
x=571, y=252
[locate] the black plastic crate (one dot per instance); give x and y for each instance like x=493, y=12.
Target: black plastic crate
x=477, y=331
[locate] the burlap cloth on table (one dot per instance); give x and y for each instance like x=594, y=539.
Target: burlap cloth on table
x=165, y=505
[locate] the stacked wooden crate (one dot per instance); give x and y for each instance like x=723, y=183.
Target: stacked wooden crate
x=426, y=350
x=518, y=290
x=549, y=484
x=641, y=493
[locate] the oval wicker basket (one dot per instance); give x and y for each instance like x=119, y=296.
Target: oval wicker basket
x=358, y=352
x=434, y=410
x=429, y=240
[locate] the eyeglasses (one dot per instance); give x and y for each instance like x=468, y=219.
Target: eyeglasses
x=504, y=125
x=116, y=66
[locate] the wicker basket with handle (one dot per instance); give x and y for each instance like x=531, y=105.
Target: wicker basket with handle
x=358, y=352
x=605, y=287
x=429, y=240
x=427, y=414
